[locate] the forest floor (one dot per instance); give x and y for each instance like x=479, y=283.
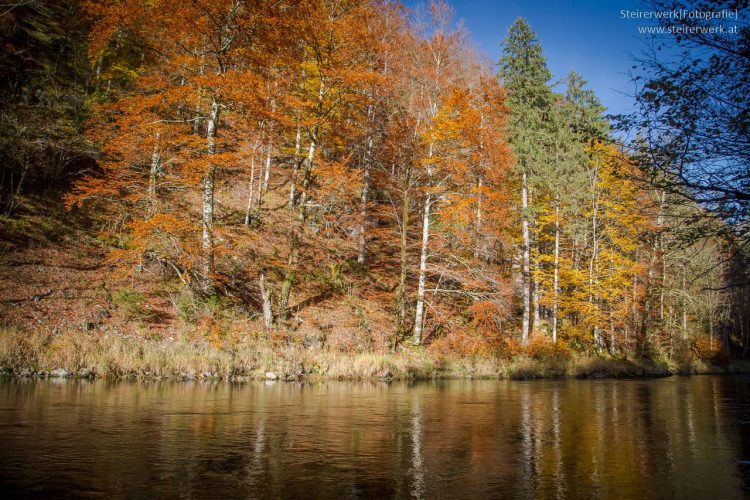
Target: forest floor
x=64, y=311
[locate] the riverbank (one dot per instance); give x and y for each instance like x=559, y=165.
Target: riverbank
x=78, y=354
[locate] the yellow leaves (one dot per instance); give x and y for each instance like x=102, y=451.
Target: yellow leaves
x=620, y=214
x=458, y=210
x=456, y=124
x=597, y=246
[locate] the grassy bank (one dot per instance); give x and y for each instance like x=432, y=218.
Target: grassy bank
x=95, y=355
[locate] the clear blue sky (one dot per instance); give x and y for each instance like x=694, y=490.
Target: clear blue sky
x=588, y=36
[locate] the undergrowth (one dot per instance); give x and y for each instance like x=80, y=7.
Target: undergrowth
x=253, y=355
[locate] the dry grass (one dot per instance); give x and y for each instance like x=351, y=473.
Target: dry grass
x=583, y=366
x=524, y=367
x=606, y=367
x=111, y=355
x=253, y=357
x=27, y=353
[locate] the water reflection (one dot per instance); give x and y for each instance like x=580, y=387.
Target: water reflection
x=679, y=437
x=559, y=475
x=417, y=469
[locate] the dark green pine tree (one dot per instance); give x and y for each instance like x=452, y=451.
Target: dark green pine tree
x=523, y=71
x=584, y=110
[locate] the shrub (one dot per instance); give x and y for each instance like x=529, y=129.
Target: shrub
x=704, y=348
x=21, y=349
x=132, y=304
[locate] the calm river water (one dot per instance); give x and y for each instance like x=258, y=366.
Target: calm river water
x=669, y=438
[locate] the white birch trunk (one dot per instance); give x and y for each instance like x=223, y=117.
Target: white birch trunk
x=419, y=313
x=251, y=184
x=208, y=202
x=267, y=173
x=269, y=151
x=526, y=273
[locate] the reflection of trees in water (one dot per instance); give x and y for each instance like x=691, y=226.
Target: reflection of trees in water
x=527, y=444
x=255, y=466
x=559, y=474
x=687, y=400
x=677, y=438
x=733, y=396
x=417, y=467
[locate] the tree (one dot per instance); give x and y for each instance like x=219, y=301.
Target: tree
x=44, y=82
x=690, y=132
x=170, y=113
x=333, y=37
x=524, y=73
x=693, y=113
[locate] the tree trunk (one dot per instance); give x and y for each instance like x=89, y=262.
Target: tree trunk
x=154, y=173
x=535, y=304
x=671, y=327
x=643, y=341
x=419, y=313
x=267, y=174
x=295, y=240
x=404, y=241
x=478, y=223
x=269, y=150
x=298, y=232
x=556, y=275
x=660, y=243
x=684, y=302
x=295, y=167
x=661, y=288
x=594, y=254
x=266, y=298
x=634, y=305
x=197, y=119
x=264, y=176
x=526, y=274
x=611, y=333
x=208, y=203
x=251, y=185
x=297, y=157
x=250, y=188
x=366, y=165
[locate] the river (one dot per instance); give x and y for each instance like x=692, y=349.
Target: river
x=679, y=437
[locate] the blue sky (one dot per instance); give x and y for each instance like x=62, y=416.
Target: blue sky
x=589, y=37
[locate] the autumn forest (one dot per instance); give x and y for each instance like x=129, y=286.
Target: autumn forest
x=348, y=188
